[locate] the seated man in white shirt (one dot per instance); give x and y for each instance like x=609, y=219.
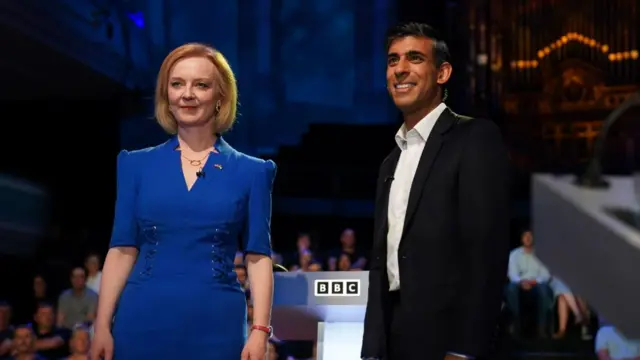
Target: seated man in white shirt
x=527, y=274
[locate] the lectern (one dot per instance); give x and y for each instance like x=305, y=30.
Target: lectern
x=327, y=306
x=590, y=238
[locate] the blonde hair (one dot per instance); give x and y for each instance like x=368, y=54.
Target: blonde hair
x=227, y=87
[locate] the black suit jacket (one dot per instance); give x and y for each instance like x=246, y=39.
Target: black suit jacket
x=454, y=248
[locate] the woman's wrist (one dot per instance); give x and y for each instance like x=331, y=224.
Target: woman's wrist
x=102, y=325
x=266, y=330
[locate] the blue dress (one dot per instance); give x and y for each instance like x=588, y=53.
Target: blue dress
x=182, y=299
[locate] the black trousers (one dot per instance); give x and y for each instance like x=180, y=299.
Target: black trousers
x=398, y=349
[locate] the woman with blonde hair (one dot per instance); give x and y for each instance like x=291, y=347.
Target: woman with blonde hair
x=169, y=290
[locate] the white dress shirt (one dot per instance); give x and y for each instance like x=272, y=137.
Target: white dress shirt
x=411, y=144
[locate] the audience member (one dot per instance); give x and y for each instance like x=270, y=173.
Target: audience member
x=51, y=341
x=23, y=344
x=565, y=301
x=529, y=276
x=348, y=247
x=344, y=263
x=30, y=305
x=78, y=304
x=79, y=344
x=305, y=261
x=94, y=275
x=6, y=330
x=303, y=246
x=613, y=345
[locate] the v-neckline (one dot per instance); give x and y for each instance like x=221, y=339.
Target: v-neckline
x=219, y=151
x=183, y=174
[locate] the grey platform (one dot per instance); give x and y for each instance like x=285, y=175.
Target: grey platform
x=590, y=239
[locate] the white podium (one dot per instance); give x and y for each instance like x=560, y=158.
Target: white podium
x=335, y=321
x=589, y=238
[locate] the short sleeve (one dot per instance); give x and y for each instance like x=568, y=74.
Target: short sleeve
x=257, y=234
x=61, y=302
x=124, y=231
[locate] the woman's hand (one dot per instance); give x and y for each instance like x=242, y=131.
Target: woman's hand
x=102, y=345
x=256, y=346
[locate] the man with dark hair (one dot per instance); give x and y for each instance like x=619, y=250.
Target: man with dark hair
x=24, y=341
x=441, y=241
x=440, y=55
x=51, y=341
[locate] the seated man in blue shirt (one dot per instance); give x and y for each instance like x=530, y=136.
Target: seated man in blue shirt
x=528, y=275
x=51, y=341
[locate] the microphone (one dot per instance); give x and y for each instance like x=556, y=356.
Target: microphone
x=200, y=173
x=389, y=179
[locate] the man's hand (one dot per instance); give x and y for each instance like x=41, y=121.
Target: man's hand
x=526, y=284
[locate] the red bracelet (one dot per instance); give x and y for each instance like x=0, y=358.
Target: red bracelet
x=266, y=329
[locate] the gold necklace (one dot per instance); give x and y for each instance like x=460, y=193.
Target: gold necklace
x=196, y=162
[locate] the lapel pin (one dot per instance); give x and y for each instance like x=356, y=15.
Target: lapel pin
x=218, y=166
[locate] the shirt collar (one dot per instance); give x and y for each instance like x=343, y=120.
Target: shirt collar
x=422, y=128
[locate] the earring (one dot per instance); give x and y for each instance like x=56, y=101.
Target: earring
x=218, y=106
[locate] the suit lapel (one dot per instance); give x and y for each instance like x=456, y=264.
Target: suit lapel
x=382, y=208
x=429, y=154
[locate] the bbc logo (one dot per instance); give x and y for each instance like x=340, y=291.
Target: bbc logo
x=337, y=287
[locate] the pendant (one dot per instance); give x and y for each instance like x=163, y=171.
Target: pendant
x=195, y=162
